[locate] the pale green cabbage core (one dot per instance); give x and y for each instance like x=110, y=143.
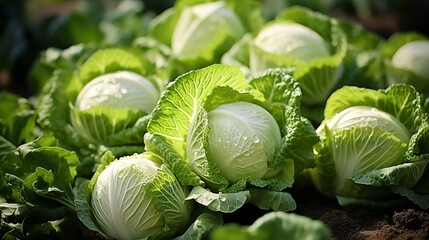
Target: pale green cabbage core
x=243, y=138
x=121, y=203
x=123, y=89
x=292, y=39
x=414, y=57
x=204, y=27
x=369, y=116
x=364, y=139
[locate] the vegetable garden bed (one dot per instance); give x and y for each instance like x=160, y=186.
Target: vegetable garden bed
x=213, y=120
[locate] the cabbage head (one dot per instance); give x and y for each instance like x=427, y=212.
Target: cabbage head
x=232, y=140
x=413, y=56
x=110, y=106
x=243, y=138
x=122, y=89
x=405, y=58
x=135, y=197
x=204, y=31
x=199, y=32
x=292, y=39
x=105, y=100
x=372, y=146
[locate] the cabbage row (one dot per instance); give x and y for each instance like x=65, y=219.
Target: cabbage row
x=212, y=108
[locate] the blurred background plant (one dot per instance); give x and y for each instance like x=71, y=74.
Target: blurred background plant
x=29, y=27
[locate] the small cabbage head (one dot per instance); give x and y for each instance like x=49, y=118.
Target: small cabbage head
x=293, y=39
x=413, y=56
x=123, y=89
x=136, y=198
x=243, y=139
x=108, y=107
x=363, y=139
x=204, y=32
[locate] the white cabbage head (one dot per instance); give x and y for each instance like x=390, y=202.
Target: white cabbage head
x=369, y=116
x=123, y=89
x=413, y=56
x=365, y=138
x=205, y=28
x=124, y=202
x=287, y=38
x=243, y=138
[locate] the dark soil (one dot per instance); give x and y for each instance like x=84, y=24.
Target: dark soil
x=360, y=223
x=352, y=222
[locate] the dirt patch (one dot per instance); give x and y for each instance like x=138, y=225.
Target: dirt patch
x=360, y=223
x=406, y=224
x=351, y=223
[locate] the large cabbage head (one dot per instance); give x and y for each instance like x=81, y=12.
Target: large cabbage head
x=204, y=32
x=413, y=56
x=292, y=39
x=405, y=58
x=372, y=150
x=136, y=198
x=243, y=138
x=363, y=139
x=310, y=44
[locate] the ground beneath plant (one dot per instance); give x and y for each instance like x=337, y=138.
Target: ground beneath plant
x=352, y=223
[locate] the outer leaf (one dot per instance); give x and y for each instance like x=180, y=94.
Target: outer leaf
x=225, y=94
x=170, y=195
x=10, y=187
x=275, y=226
x=283, y=96
x=103, y=125
x=83, y=208
x=162, y=26
x=406, y=175
x=362, y=63
x=419, y=194
x=238, y=55
x=43, y=217
x=106, y=158
x=222, y=202
x=44, y=187
x=54, y=111
x=196, y=151
x=358, y=36
x=62, y=163
x=199, y=229
x=272, y=200
x=323, y=175
x=9, y=160
x=54, y=58
x=110, y=60
x=283, y=179
x=17, y=118
x=173, y=160
x=421, y=200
